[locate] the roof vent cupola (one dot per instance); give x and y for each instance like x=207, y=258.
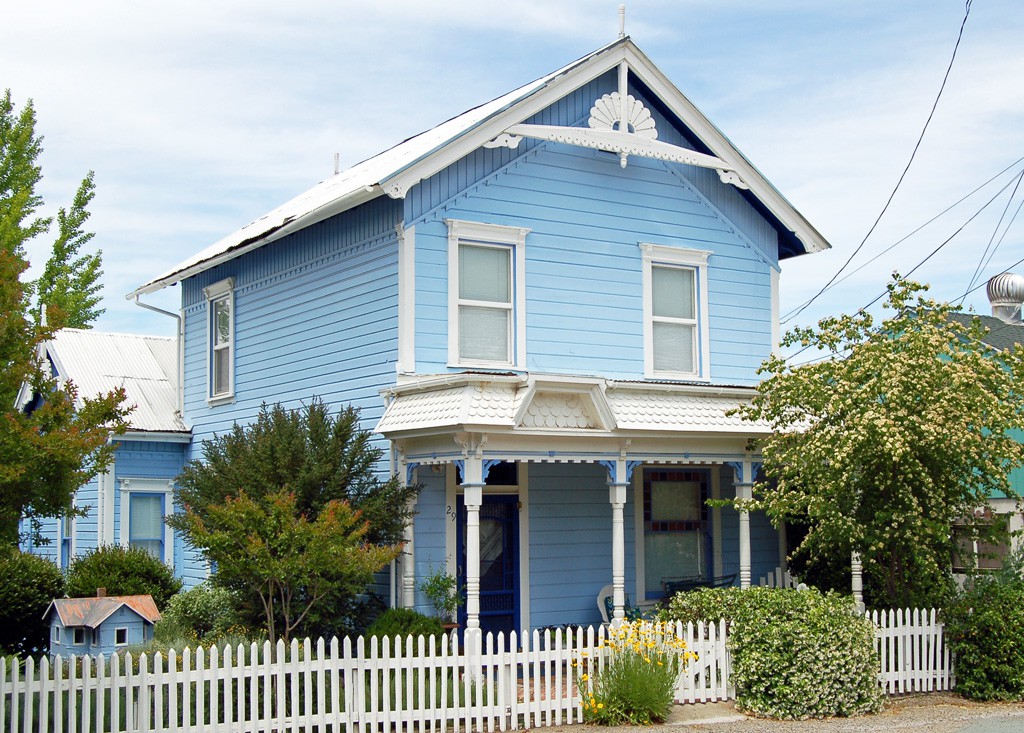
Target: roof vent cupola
x=1006, y=294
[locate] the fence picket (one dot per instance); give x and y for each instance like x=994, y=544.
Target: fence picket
x=410, y=685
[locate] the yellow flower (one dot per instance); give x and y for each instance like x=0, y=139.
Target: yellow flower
x=600, y=705
x=585, y=677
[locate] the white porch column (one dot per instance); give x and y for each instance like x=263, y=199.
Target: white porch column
x=744, y=482
x=472, y=489
x=857, y=580
x=617, y=497
x=408, y=587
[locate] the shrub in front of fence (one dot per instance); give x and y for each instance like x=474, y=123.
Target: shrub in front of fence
x=985, y=629
x=635, y=683
x=404, y=622
x=27, y=585
x=801, y=654
x=205, y=611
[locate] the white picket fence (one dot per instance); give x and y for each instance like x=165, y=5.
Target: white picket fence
x=912, y=650
x=360, y=687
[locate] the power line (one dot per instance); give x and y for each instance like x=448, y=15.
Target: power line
x=945, y=211
x=983, y=262
x=913, y=154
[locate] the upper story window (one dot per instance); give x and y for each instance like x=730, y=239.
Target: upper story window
x=676, y=341
x=486, y=295
x=220, y=306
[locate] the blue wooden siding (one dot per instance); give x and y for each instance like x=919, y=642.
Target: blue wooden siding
x=316, y=314
x=430, y=531
x=156, y=460
x=764, y=539
x=583, y=266
x=571, y=543
x=87, y=534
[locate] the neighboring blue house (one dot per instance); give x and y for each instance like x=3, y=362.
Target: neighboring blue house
x=102, y=625
x=127, y=504
x=545, y=307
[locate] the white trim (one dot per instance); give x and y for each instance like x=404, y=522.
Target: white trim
x=131, y=486
x=222, y=290
x=480, y=233
x=105, y=520
x=125, y=630
x=406, y=363
x=776, y=321
x=655, y=255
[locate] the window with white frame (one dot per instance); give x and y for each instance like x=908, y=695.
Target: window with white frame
x=55, y=636
x=121, y=636
x=78, y=636
x=487, y=293
x=676, y=339
x=220, y=301
x=143, y=507
x=973, y=553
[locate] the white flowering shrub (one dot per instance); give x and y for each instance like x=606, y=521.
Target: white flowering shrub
x=801, y=654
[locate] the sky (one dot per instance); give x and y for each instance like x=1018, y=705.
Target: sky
x=198, y=117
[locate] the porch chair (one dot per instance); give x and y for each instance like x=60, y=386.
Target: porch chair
x=606, y=605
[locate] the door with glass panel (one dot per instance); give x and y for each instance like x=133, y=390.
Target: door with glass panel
x=499, y=562
x=676, y=538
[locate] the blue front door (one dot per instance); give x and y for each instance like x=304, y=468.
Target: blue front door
x=499, y=562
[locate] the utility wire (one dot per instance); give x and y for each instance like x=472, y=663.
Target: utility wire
x=931, y=254
x=913, y=154
x=945, y=211
x=983, y=262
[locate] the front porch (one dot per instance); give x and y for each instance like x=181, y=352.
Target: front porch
x=607, y=483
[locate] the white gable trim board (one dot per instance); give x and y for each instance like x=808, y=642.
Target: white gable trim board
x=395, y=171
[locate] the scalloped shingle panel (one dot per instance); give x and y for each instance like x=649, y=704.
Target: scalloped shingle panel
x=491, y=403
x=423, y=409
x=642, y=410
x=552, y=410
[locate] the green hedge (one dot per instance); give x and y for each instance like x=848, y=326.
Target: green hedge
x=795, y=654
x=985, y=630
x=123, y=571
x=27, y=585
x=405, y=622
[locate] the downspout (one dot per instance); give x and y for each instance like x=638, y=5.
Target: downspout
x=180, y=337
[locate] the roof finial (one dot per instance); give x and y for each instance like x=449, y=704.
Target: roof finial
x=622, y=21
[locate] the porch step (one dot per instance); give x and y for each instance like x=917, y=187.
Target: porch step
x=704, y=713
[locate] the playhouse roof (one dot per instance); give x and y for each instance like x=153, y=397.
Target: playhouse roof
x=92, y=612
x=395, y=170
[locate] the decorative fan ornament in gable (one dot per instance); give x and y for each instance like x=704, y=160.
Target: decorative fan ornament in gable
x=558, y=411
x=619, y=123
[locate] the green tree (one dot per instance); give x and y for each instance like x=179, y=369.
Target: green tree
x=267, y=549
x=903, y=429
x=318, y=458
x=57, y=442
x=122, y=571
x=70, y=284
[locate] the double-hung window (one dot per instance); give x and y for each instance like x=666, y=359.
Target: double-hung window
x=486, y=323
x=220, y=307
x=676, y=340
x=143, y=508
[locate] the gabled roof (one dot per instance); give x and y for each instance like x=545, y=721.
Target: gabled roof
x=145, y=366
x=1001, y=335
x=395, y=170
x=92, y=612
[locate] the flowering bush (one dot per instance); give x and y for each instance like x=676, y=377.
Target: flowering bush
x=634, y=679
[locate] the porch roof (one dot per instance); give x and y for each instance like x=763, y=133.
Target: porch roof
x=558, y=405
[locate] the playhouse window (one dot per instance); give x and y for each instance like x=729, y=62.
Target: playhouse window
x=55, y=635
x=121, y=636
x=78, y=636
x=486, y=294
x=221, y=339
x=675, y=313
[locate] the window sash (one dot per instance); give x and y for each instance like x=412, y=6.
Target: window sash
x=221, y=344
x=486, y=316
x=146, y=523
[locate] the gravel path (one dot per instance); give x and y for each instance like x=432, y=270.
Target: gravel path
x=932, y=712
